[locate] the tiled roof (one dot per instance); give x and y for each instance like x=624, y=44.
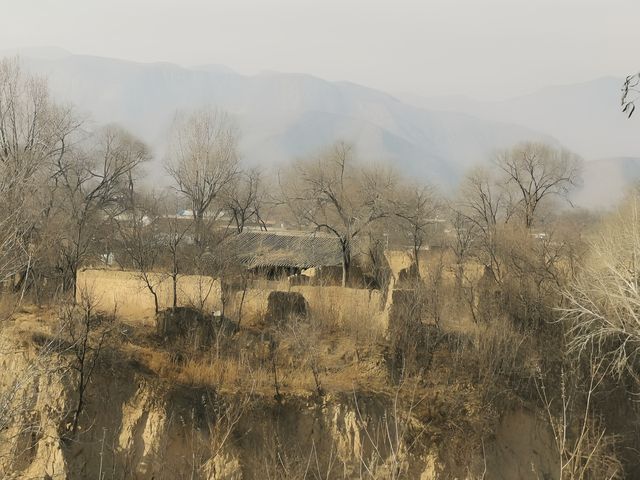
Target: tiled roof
x=266, y=249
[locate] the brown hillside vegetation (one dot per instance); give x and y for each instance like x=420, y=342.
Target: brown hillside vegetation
x=157, y=394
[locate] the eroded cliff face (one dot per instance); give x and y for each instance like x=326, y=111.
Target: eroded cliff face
x=137, y=425
x=33, y=399
x=155, y=431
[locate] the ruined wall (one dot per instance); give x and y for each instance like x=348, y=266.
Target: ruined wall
x=127, y=293
x=400, y=260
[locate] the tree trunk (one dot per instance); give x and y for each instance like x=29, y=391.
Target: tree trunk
x=174, y=279
x=74, y=283
x=416, y=259
x=346, y=264
x=155, y=301
x=459, y=275
x=79, y=406
x=276, y=383
x=244, y=293
x=199, y=228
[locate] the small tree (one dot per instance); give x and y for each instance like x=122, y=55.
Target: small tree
x=538, y=171
x=392, y=437
x=86, y=334
x=417, y=208
x=141, y=240
x=463, y=243
x=304, y=336
x=339, y=197
x=583, y=447
x=244, y=199
x=203, y=161
x=209, y=444
x=89, y=186
x=173, y=234
x=601, y=303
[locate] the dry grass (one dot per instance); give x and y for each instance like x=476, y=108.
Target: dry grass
x=8, y=305
x=342, y=369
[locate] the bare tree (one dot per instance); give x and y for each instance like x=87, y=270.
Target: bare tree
x=13, y=253
x=90, y=186
x=584, y=448
x=485, y=205
x=337, y=196
x=141, y=239
x=244, y=199
x=417, y=207
x=86, y=334
x=530, y=173
x=464, y=235
x=177, y=233
x=601, y=303
x=464, y=241
x=203, y=161
x=538, y=171
x=34, y=132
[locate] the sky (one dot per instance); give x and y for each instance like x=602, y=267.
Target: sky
x=486, y=49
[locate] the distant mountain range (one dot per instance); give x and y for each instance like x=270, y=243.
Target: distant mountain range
x=283, y=116
x=585, y=118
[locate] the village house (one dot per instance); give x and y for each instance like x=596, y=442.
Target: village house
x=280, y=255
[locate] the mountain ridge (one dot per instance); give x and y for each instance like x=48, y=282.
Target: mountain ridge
x=289, y=115
x=280, y=115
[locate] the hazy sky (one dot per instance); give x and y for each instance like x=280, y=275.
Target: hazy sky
x=484, y=48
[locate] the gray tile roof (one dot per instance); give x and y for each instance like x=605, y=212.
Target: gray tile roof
x=267, y=249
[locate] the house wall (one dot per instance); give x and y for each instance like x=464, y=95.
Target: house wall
x=127, y=294
x=324, y=275
x=400, y=260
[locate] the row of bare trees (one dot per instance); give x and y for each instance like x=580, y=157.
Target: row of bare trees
x=69, y=194
x=59, y=182
x=67, y=187
x=336, y=194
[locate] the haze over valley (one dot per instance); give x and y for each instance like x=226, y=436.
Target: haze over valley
x=283, y=116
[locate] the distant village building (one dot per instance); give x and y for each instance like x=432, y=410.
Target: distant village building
x=278, y=255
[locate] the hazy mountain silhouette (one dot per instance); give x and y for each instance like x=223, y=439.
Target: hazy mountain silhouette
x=283, y=116
x=585, y=117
